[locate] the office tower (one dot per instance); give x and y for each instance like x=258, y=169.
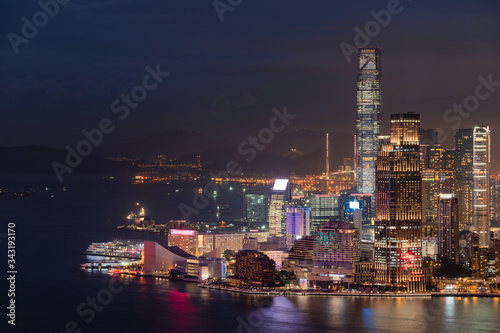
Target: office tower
x=337, y=244
x=448, y=232
x=481, y=174
x=298, y=224
x=495, y=197
x=437, y=166
x=398, y=223
x=350, y=202
x=465, y=176
x=255, y=266
x=279, y=195
x=323, y=208
x=369, y=116
x=255, y=207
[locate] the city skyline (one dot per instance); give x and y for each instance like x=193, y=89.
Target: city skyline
x=217, y=166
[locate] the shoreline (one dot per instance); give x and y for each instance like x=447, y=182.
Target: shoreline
x=314, y=293
x=360, y=294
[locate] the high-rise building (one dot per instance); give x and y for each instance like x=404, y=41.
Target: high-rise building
x=323, y=208
x=298, y=224
x=465, y=176
x=279, y=195
x=495, y=197
x=255, y=207
x=337, y=244
x=369, y=116
x=437, y=166
x=481, y=174
x=398, y=223
x=353, y=202
x=448, y=232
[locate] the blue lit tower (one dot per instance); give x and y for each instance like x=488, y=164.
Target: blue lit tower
x=369, y=116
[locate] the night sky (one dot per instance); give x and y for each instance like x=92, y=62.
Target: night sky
x=226, y=76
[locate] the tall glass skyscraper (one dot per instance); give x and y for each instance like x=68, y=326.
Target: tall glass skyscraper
x=369, y=116
x=482, y=184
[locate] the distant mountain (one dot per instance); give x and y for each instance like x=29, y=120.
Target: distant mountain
x=174, y=143
x=38, y=159
x=185, y=146
x=271, y=161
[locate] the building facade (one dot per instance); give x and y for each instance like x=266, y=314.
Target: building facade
x=398, y=223
x=448, y=228
x=481, y=162
x=465, y=176
x=369, y=116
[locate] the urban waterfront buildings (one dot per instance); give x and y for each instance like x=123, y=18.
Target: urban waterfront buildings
x=448, y=228
x=481, y=175
x=254, y=268
x=369, y=116
x=398, y=223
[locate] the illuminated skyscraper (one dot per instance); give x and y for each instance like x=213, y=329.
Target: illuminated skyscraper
x=279, y=195
x=495, y=197
x=369, y=116
x=465, y=176
x=298, y=224
x=398, y=224
x=448, y=231
x=482, y=184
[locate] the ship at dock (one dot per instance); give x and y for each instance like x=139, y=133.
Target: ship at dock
x=127, y=249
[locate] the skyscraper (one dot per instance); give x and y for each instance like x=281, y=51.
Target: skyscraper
x=369, y=116
x=448, y=231
x=398, y=224
x=482, y=184
x=298, y=224
x=465, y=176
x=280, y=194
x=323, y=208
x=255, y=207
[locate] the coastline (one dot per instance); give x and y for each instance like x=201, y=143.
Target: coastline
x=351, y=294
x=312, y=293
